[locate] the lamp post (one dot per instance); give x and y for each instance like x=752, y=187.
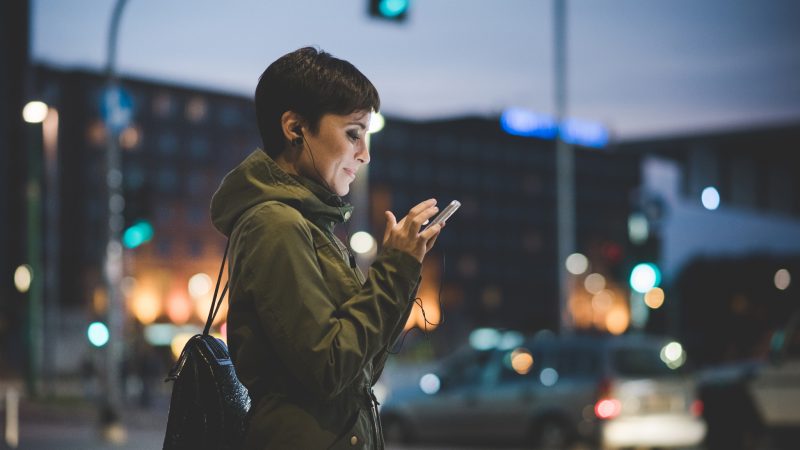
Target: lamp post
x=34, y=114
x=112, y=264
x=565, y=168
x=359, y=198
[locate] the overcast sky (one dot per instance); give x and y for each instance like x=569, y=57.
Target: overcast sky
x=643, y=67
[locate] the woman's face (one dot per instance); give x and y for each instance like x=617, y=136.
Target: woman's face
x=334, y=154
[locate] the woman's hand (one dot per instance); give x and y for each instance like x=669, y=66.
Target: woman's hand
x=405, y=235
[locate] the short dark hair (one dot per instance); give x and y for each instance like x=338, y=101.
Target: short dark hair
x=311, y=83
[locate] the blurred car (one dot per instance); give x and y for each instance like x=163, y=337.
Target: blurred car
x=753, y=404
x=550, y=391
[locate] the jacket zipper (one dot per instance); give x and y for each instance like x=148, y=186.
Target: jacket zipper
x=375, y=419
x=346, y=254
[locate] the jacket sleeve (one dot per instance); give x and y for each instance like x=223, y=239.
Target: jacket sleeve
x=325, y=343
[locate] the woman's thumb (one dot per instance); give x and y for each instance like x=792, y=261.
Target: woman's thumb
x=391, y=221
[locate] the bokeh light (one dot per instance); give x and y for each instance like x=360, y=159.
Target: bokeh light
x=654, y=298
x=484, y=338
x=617, y=321
x=23, y=277
x=638, y=228
x=376, y=123
x=98, y=334
x=362, y=242
x=521, y=361
x=179, y=308
x=130, y=138
x=199, y=284
x=644, y=276
x=577, y=263
x=673, y=355
x=602, y=300
x=146, y=306
x=34, y=112
x=430, y=383
x=548, y=376
x=594, y=283
x=607, y=408
x=782, y=279
x=710, y=198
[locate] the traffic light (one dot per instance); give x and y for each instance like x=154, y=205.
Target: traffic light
x=98, y=334
x=137, y=214
x=645, y=276
x=391, y=10
x=137, y=234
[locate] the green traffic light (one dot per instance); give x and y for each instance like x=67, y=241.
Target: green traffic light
x=645, y=276
x=98, y=334
x=393, y=8
x=137, y=234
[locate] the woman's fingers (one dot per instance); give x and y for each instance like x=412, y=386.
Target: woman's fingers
x=405, y=235
x=421, y=206
x=429, y=235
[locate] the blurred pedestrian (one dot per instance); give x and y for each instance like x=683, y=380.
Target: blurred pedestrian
x=308, y=332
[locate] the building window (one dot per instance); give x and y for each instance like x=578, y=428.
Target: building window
x=163, y=105
x=195, y=183
x=163, y=215
x=230, y=116
x=199, y=147
x=134, y=176
x=197, y=110
x=167, y=180
x=167, y=143
x=130, y=138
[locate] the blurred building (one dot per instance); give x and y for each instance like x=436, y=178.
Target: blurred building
x=179, y=145
x=13, y=169
x=495, y=265
x=498, y=253
x=726, y=209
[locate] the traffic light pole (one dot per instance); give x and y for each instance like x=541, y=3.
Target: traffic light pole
x=565, y=168
x=113, y=263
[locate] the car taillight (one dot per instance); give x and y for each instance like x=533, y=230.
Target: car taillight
x=696, y=408
x=607, y=408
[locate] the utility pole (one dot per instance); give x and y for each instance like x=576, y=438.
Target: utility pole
x=565, y=167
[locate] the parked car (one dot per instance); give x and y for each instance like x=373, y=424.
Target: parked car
x=550, y=391
x=753, y=404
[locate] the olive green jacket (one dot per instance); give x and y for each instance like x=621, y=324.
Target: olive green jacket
x=308, y=332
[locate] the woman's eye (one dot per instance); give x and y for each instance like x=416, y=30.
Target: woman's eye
x=354, y=135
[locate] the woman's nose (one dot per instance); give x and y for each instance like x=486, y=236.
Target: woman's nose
x=363, y=153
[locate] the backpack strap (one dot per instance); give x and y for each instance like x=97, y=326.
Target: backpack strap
x=216, y=302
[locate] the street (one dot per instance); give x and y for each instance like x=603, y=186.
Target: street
x=72, y=425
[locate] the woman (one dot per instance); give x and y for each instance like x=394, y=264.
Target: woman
x=308, y=332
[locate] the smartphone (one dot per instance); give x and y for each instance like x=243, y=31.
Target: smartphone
x=445, y=213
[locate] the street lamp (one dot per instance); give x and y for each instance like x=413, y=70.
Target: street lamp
x=34, y=112
x=114, y=108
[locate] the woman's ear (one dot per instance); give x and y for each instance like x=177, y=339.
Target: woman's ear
x=292, y=126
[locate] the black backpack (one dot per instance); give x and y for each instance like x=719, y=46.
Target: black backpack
x=209, y=406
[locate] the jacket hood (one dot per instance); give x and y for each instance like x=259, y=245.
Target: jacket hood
x=259, y=179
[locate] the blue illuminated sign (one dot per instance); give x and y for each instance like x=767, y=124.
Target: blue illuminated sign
x=523, y=122
x=584, y=132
